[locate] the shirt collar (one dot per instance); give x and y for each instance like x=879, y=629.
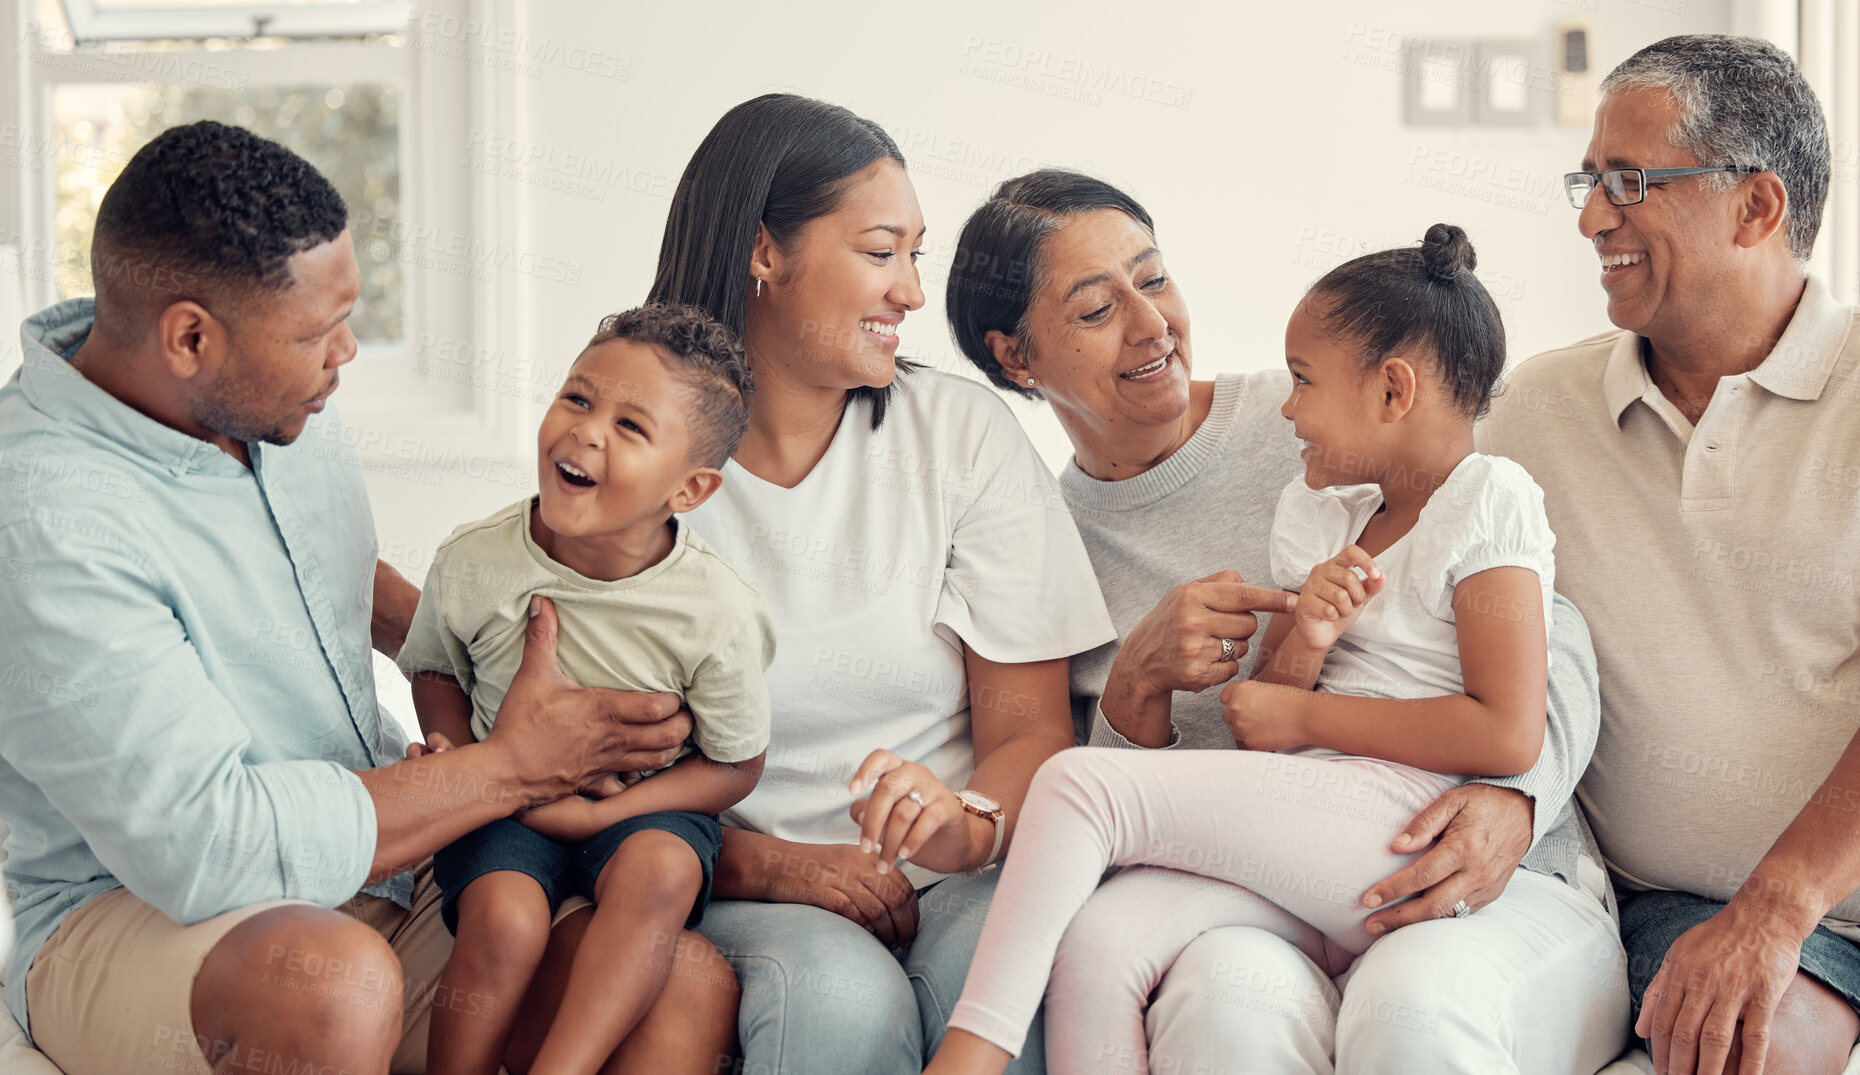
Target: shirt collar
x=49, y=382
x=1798, y=367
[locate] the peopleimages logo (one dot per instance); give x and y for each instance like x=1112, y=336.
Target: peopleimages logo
x=989, y=57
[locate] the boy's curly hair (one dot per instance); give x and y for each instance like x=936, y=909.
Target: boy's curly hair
x=707, y=357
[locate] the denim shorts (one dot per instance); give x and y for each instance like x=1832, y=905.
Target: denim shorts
x=1652, y=921
x=561, y=869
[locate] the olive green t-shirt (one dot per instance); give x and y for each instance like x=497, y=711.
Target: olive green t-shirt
x=689, y=624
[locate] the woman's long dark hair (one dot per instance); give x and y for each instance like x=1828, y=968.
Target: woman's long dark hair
x=778, y=161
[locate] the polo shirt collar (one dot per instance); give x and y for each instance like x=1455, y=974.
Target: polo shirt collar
x=1798, y=367
x=51, y=385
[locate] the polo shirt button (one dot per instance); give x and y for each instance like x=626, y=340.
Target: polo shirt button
x=1711, y=447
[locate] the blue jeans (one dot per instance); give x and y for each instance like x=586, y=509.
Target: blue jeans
x=821, y=995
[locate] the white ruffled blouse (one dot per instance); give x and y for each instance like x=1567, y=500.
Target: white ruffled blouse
x=1488, y=514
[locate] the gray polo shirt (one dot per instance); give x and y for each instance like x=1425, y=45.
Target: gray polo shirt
x=1716, y=567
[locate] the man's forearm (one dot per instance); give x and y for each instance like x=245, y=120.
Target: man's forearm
x=394, y=602
x=746, y=864
x=424, y=804
x=1815, y=863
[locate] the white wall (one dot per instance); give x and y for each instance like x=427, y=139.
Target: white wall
x=1289, y=157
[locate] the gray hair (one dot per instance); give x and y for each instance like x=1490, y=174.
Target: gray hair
x=1742, y=101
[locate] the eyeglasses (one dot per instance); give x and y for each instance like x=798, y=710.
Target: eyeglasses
x=1628, y=186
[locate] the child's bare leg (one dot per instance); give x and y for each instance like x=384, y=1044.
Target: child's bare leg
x=642, y=898
x=503, y=927
x=689, y=1030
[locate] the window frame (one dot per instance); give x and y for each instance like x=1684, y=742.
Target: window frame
x=396, y=411
x=90, y=20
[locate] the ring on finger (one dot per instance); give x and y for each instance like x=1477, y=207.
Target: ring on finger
x=917, y=797
x=1228, y=650
x=1462, y=909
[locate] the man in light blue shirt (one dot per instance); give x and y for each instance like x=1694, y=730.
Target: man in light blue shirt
x=188, y=592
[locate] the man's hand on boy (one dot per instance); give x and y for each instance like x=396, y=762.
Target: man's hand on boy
x=561, y=736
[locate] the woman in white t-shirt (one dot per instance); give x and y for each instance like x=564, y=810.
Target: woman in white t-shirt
x=927, y=584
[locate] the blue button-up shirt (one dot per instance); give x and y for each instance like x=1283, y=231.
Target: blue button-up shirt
x=186, y=685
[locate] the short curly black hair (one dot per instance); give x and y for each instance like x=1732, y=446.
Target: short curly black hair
x=707, y=357
x=207, y=212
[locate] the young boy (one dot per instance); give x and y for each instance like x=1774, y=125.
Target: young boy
x=649, y=412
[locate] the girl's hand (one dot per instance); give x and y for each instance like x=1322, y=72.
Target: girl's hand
x=1334, y=597
x=898, y=826
x=1265, y=716
x=435, y=744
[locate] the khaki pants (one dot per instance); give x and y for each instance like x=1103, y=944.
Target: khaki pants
x=111, y=991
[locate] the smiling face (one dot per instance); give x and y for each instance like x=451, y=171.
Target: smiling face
x=615, y=445
x=1663, y=258
x=283, y=350
x=1107, y=330
x=832, y=303
x=1332, y=405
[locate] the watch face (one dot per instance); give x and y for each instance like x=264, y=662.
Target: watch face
x=976, y=799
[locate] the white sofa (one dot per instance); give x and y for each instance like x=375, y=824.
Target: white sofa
x=19, y=1058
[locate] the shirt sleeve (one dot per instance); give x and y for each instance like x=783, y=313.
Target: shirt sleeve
x=1498, y=521
x=118, y=725
x=1574, y=722
x=1310, y=526
x=1018, y=586
x=1104, y=735
x=431, y=646
x=729, y=693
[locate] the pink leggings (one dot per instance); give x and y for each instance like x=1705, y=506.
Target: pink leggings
x=1283, y=842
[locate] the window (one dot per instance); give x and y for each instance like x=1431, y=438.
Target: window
x=351, y=131
x=424, y=225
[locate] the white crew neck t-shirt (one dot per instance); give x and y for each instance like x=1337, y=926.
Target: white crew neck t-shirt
x=1487, y=514
x=940, y=528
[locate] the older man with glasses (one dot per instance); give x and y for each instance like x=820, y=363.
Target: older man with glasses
x=1701, y=469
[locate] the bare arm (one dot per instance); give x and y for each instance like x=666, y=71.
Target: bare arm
x=395, y=600
x=693, y=783
x=1495, y=727
x=443, y=707
x=1287, y=659
x=1177, y=647
x=551, y=737
x=1019, y=716
x=835, y=877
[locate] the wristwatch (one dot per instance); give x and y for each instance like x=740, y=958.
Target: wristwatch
x=990, y=811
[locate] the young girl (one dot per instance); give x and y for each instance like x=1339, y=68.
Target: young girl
x=1418, y=649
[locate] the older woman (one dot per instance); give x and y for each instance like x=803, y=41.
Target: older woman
x=1060, y=292
x=927, y=583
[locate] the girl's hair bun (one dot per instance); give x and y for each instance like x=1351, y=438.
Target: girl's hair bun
x=1445, y=251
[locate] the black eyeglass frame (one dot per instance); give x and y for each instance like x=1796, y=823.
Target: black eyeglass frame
x=1648, y=176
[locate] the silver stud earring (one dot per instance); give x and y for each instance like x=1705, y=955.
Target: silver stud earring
x=1029, y=382
x=758, y=287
